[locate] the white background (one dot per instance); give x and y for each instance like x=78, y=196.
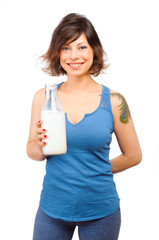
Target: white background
x=129, y=33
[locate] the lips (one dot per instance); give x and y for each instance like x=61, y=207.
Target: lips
x=75, y=65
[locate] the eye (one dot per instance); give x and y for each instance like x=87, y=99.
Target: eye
x=65, y=48
x=82, y=47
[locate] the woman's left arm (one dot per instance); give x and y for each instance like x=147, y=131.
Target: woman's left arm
x=125, y=134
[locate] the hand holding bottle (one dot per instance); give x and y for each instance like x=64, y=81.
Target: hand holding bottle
x=41, y=134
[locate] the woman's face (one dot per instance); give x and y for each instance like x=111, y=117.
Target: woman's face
x=76, y=57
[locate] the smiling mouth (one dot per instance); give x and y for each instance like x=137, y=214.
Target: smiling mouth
x=75, y=65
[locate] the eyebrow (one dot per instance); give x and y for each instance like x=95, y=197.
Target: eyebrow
x=67, y=44
x=82, y=43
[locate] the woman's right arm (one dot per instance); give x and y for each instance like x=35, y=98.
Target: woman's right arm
x=36, y=133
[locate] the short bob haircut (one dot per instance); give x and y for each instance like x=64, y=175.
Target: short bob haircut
x=70, y=28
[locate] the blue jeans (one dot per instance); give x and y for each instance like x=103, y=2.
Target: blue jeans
x=48, y=228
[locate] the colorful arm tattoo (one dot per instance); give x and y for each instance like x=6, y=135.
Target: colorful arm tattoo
x=124, y=109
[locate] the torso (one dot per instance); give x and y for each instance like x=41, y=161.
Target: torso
x=85, y=168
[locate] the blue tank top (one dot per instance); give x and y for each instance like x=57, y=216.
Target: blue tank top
x=79, y=185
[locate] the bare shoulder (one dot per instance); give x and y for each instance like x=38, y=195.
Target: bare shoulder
x=37, y=103
x=116, y=97
x=39, y=96
x=120, y=107
x=40, y=93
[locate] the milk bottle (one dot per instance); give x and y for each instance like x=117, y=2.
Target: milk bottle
x=53, y=120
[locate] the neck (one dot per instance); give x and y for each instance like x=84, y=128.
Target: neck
x=79, y=83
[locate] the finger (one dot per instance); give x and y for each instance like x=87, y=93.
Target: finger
x=41, y=136
x=44, y=143
x=40, y=130
x=38, y=123
x=41, y=144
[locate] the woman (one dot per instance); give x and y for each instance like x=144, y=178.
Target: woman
x=78, y=188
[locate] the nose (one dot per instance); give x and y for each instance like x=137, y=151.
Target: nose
x=74, y=54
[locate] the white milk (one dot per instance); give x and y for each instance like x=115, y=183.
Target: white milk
x=54, y=123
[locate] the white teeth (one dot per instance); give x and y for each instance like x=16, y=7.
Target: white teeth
x=75, y=65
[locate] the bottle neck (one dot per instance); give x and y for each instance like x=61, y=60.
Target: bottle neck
x=51, y=101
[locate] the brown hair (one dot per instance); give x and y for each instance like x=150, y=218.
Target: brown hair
x=70, y=28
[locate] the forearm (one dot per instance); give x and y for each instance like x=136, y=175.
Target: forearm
x=123, y=162
x=34, y=151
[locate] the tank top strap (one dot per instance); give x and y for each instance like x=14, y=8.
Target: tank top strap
x=58, y=85
x=105, y=99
